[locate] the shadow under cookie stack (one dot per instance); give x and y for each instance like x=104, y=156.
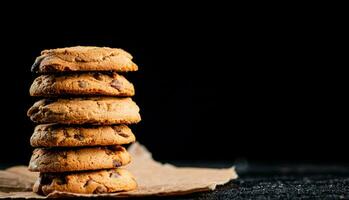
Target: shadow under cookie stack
x=83, y=120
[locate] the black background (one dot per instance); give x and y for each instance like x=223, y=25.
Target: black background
x=260, y=86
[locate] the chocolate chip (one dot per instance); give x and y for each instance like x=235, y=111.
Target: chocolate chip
x=78, y=59
x=116, y=84
x=109, y=151
x=78, y=137
x=119, y=148
x=114, y=174
x=99, y=190
x=116, y=163
x=88, y=183
x=116, y=128
x=124, y=135
x=98, y=76
x=65, y=133
x=82, y=84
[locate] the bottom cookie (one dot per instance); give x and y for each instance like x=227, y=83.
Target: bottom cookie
x=90, y=182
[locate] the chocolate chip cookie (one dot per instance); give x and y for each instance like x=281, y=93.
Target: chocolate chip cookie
x=55, y=135
x=102, y=111
x=84, y=58
x=83, y=84
x=81, y=159
x=94, y=182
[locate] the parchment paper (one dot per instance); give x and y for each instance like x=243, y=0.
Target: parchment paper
x=153, y=178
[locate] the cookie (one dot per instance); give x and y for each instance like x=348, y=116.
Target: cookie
x=55, y=135
x=92, y=182
x=97, y=84
x=94, y=110
x=65, y=160
x=84, y=58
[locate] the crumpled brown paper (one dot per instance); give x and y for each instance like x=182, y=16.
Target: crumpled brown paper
x=153, y=178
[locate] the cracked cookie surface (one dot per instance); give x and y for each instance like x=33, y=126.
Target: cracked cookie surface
x=92, y=182
x=55, y=135
x=86, y=84
x=89, y=158
x=84, y=58
x=98, y=111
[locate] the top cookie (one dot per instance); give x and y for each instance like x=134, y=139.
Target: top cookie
x=84, y=58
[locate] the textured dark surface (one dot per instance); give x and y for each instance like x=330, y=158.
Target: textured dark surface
x=282, y=182
x=281, y=187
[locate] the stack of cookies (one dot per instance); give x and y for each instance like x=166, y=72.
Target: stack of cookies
x=83, y=119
